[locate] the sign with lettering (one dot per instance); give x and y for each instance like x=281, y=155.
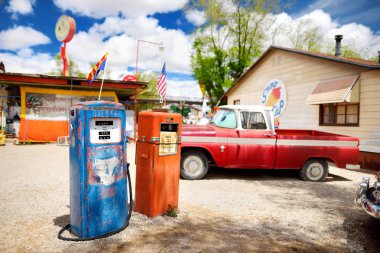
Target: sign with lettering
x=274, y=95
x=168, y=143
x=41, y=106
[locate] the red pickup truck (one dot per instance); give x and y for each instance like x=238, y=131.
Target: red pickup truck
x=244, y=137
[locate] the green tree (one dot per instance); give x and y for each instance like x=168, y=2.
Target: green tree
x=229, y=41
x=306, y=35
x=210, y=70
x=247, y=29
x=151, y=90
x=72, y=71
x=209, y=59
x=183, y=110
x=374, y=58
x=348, y=50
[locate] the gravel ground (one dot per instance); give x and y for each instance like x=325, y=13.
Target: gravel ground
x=228, y=211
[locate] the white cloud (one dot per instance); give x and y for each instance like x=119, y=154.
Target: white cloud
x=20, y=6
x=184, y=89
x=26, y=61
x=119, y=35
x=21, y=37
x=322, y=19
x=195, y=17
x=101, y=8
x=356, y=36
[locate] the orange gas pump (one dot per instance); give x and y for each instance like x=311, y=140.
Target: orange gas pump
x=158, y=154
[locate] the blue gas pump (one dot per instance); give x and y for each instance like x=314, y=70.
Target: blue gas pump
x=100, y=185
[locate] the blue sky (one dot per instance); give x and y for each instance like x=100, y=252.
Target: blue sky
x=28, y=43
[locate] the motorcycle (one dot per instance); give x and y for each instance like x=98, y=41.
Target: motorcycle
x=369, y=197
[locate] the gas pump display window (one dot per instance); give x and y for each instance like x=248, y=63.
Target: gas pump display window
x=105, y=130
x=103, y=123
x=168, y=139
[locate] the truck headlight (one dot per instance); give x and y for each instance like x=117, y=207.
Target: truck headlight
x=376, y=185
x=365, y=183
x=365, y=180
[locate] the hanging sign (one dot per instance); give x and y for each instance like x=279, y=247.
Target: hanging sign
x=274, y=95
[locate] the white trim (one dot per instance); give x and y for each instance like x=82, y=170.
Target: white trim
x=204, y=139
x=316, y=143
x=256, y=141
x=268, y=141
x=224, y=140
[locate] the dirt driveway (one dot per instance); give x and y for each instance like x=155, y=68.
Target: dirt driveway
x=229, y=211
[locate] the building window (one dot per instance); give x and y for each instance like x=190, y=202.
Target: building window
x=237, y=102
x=339, y=114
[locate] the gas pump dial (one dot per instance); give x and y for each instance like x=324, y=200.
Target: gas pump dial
x=105, y=130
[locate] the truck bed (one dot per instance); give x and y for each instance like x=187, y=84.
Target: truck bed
x=294, y=147
x=308, y=134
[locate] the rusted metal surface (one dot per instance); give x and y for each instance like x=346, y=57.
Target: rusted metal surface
x=157, y=176
x=98, y=183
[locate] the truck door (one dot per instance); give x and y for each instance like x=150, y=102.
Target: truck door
x=252, y=144
x=225, y=122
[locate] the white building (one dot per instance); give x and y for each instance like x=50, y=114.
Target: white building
x=317, y=91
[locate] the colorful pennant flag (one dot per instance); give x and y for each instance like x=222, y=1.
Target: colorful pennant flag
x=101, y=65
x=161, y=84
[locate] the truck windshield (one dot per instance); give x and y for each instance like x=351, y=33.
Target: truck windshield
x=224, y=118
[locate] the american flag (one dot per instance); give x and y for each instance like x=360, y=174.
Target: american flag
x=161, y=84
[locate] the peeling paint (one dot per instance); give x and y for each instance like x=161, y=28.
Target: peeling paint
x=98, y=199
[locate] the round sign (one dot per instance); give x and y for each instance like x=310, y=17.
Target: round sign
x=65, y=28
x=274, y=95
x=130, y=77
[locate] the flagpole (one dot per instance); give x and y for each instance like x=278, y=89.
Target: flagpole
x=104, y=73
x=161, y=101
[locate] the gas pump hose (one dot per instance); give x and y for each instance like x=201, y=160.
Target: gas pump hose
x=68, y=226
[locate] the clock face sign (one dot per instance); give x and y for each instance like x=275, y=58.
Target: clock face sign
x=65, y=28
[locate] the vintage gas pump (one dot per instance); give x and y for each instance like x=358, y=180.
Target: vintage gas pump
x=100, y=202
x=157, y=162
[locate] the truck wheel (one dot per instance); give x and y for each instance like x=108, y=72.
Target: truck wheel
x=315, y=170
x=194, y=165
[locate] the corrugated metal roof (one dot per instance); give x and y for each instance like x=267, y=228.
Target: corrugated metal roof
x=124, y=88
